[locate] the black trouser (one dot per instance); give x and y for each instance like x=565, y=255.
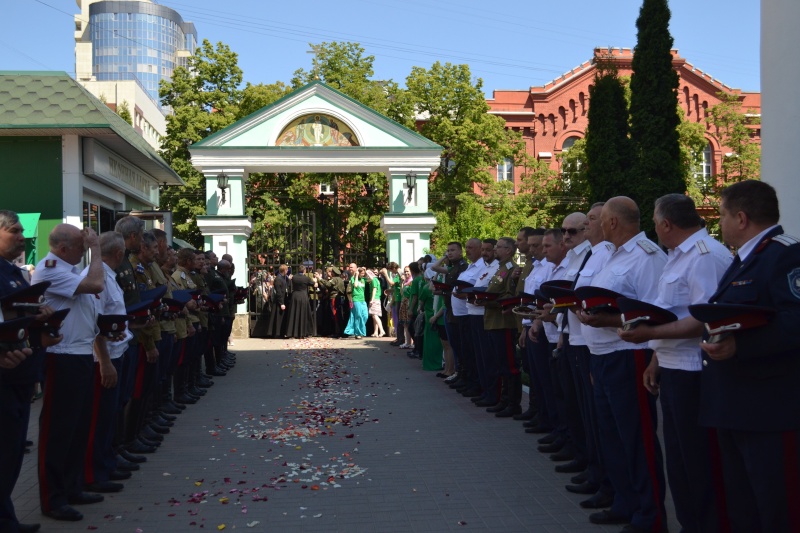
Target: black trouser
x=15, y=411
x=64, y=427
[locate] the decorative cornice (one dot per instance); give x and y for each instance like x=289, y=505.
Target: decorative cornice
x=225, y=225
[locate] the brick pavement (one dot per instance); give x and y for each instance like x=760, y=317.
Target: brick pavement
x=414, y=457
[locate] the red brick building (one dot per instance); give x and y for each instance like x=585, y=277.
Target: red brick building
x=552, y=117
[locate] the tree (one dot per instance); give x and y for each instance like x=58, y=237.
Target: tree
x=656, y=166
x=608, y=147
x=733, y=131
x=455, y=115
x=255, y=97
x=124, y=111
x=204, y=98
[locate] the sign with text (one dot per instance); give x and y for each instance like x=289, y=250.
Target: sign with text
x=115, y=171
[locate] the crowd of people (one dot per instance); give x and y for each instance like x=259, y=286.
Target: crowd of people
x=599, y=319
x=122, y=348
x=327, y=303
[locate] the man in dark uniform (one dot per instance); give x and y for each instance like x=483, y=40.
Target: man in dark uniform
x=334, y=284
x=519, y=278
x=749, y=385
x=19, y=370
x=501, y=329
x=215, y=364
x=203, y=345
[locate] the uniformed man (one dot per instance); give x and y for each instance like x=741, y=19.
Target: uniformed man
x=501, y=365
x=101, y=471
x=749, y=378
x=452, y=264
x=520, y=275
x=334, y=285
x=19, y=370
x=594, y=480
x=188, y=350
x=628, y=435
x=466, y=382
x=695, y=265
x=69, y=370
x=489, y=392
x=578, y=247
x=219, y=319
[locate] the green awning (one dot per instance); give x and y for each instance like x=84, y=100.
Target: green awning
x=30, y=224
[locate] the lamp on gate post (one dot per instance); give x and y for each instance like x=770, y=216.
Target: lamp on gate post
x=222, y=184
x=411, y=182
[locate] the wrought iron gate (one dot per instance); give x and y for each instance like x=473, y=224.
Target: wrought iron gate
x=294, y=244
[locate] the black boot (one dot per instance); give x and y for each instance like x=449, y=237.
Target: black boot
x=503, y=403
x=514, y=397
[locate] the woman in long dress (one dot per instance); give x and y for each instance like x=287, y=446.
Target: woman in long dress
x=300, y=324
x=357, y=323
x=432, y=346
x=375, y=309
x=276, y=326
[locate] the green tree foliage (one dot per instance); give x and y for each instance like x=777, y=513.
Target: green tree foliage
x=455, y=114
x=204, y=98
x=345, y=67
x=608, y=147
x=654, y=122
x=733, y=129
x=124, y=111
x=255, y=97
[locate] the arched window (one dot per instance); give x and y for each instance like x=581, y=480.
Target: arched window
x=505, y=170
x=573, y=165
x=704, y=169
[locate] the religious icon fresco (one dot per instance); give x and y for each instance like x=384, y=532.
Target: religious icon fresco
x=316, y=130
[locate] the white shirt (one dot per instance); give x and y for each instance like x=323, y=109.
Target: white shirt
x=633, y=270
x=482, y=280
x=748, y=247
x=112, y=302
x=551, y=328
x=601, y=252
x=459, y=306
x=574, y=259
x=537, y=276
x=80, y=325
x=691, y=276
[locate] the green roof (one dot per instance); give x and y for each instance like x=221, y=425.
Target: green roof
x=34, y=100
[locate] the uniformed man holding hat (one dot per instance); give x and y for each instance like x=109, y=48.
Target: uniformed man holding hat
x=749, y=385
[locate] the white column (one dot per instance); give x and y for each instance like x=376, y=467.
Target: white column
x=780, y=110
x=72, y=180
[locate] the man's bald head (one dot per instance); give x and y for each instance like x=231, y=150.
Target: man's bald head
x=573, y=229
x=625, y=209
x=64, y=234
x=619, y=220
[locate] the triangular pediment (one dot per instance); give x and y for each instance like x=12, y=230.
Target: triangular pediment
x=316, y=117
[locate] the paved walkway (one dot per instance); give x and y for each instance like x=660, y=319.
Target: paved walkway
x=324, y=435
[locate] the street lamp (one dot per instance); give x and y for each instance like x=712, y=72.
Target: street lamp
x=411, y=182
x=222, y=184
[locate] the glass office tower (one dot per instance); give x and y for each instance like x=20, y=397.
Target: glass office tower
x=138, y=40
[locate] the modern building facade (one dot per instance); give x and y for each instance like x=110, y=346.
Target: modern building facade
x=66, y=157
x=123, y=49
x=553, y=116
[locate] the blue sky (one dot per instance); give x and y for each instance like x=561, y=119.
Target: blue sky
x=510, y=44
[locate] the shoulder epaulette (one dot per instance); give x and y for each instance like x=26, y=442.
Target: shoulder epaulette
x=786, y=240
x=50, y=263
x=702, y=247
x=647, y=246
x=609, y=247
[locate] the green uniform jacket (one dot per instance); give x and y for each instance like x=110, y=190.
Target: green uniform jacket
x=501, y=283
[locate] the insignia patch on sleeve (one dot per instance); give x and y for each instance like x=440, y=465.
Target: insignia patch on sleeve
x=794, y=282
x=647, y=246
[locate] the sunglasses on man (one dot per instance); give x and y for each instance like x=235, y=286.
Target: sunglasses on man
x=571, y=231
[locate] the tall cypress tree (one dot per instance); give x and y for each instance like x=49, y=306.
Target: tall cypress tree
x=608, y=149
x=656, y=166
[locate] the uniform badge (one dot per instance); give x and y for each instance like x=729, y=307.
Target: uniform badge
x=508, y=265
x=140, y=268
x=742, y=282
x=794, y=282
x=50, y=263
x=183, y=275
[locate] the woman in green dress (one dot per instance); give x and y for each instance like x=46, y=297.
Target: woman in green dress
x=432, y=345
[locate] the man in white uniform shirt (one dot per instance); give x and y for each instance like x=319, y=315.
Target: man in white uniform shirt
x=480, y=341
x=596, y=482
x=626, y=413
x=69, y=370
x=696, y=264
x=546, y=335
x=101, y=462
x=467, y=382
x=534, y=349
x=573, y=230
